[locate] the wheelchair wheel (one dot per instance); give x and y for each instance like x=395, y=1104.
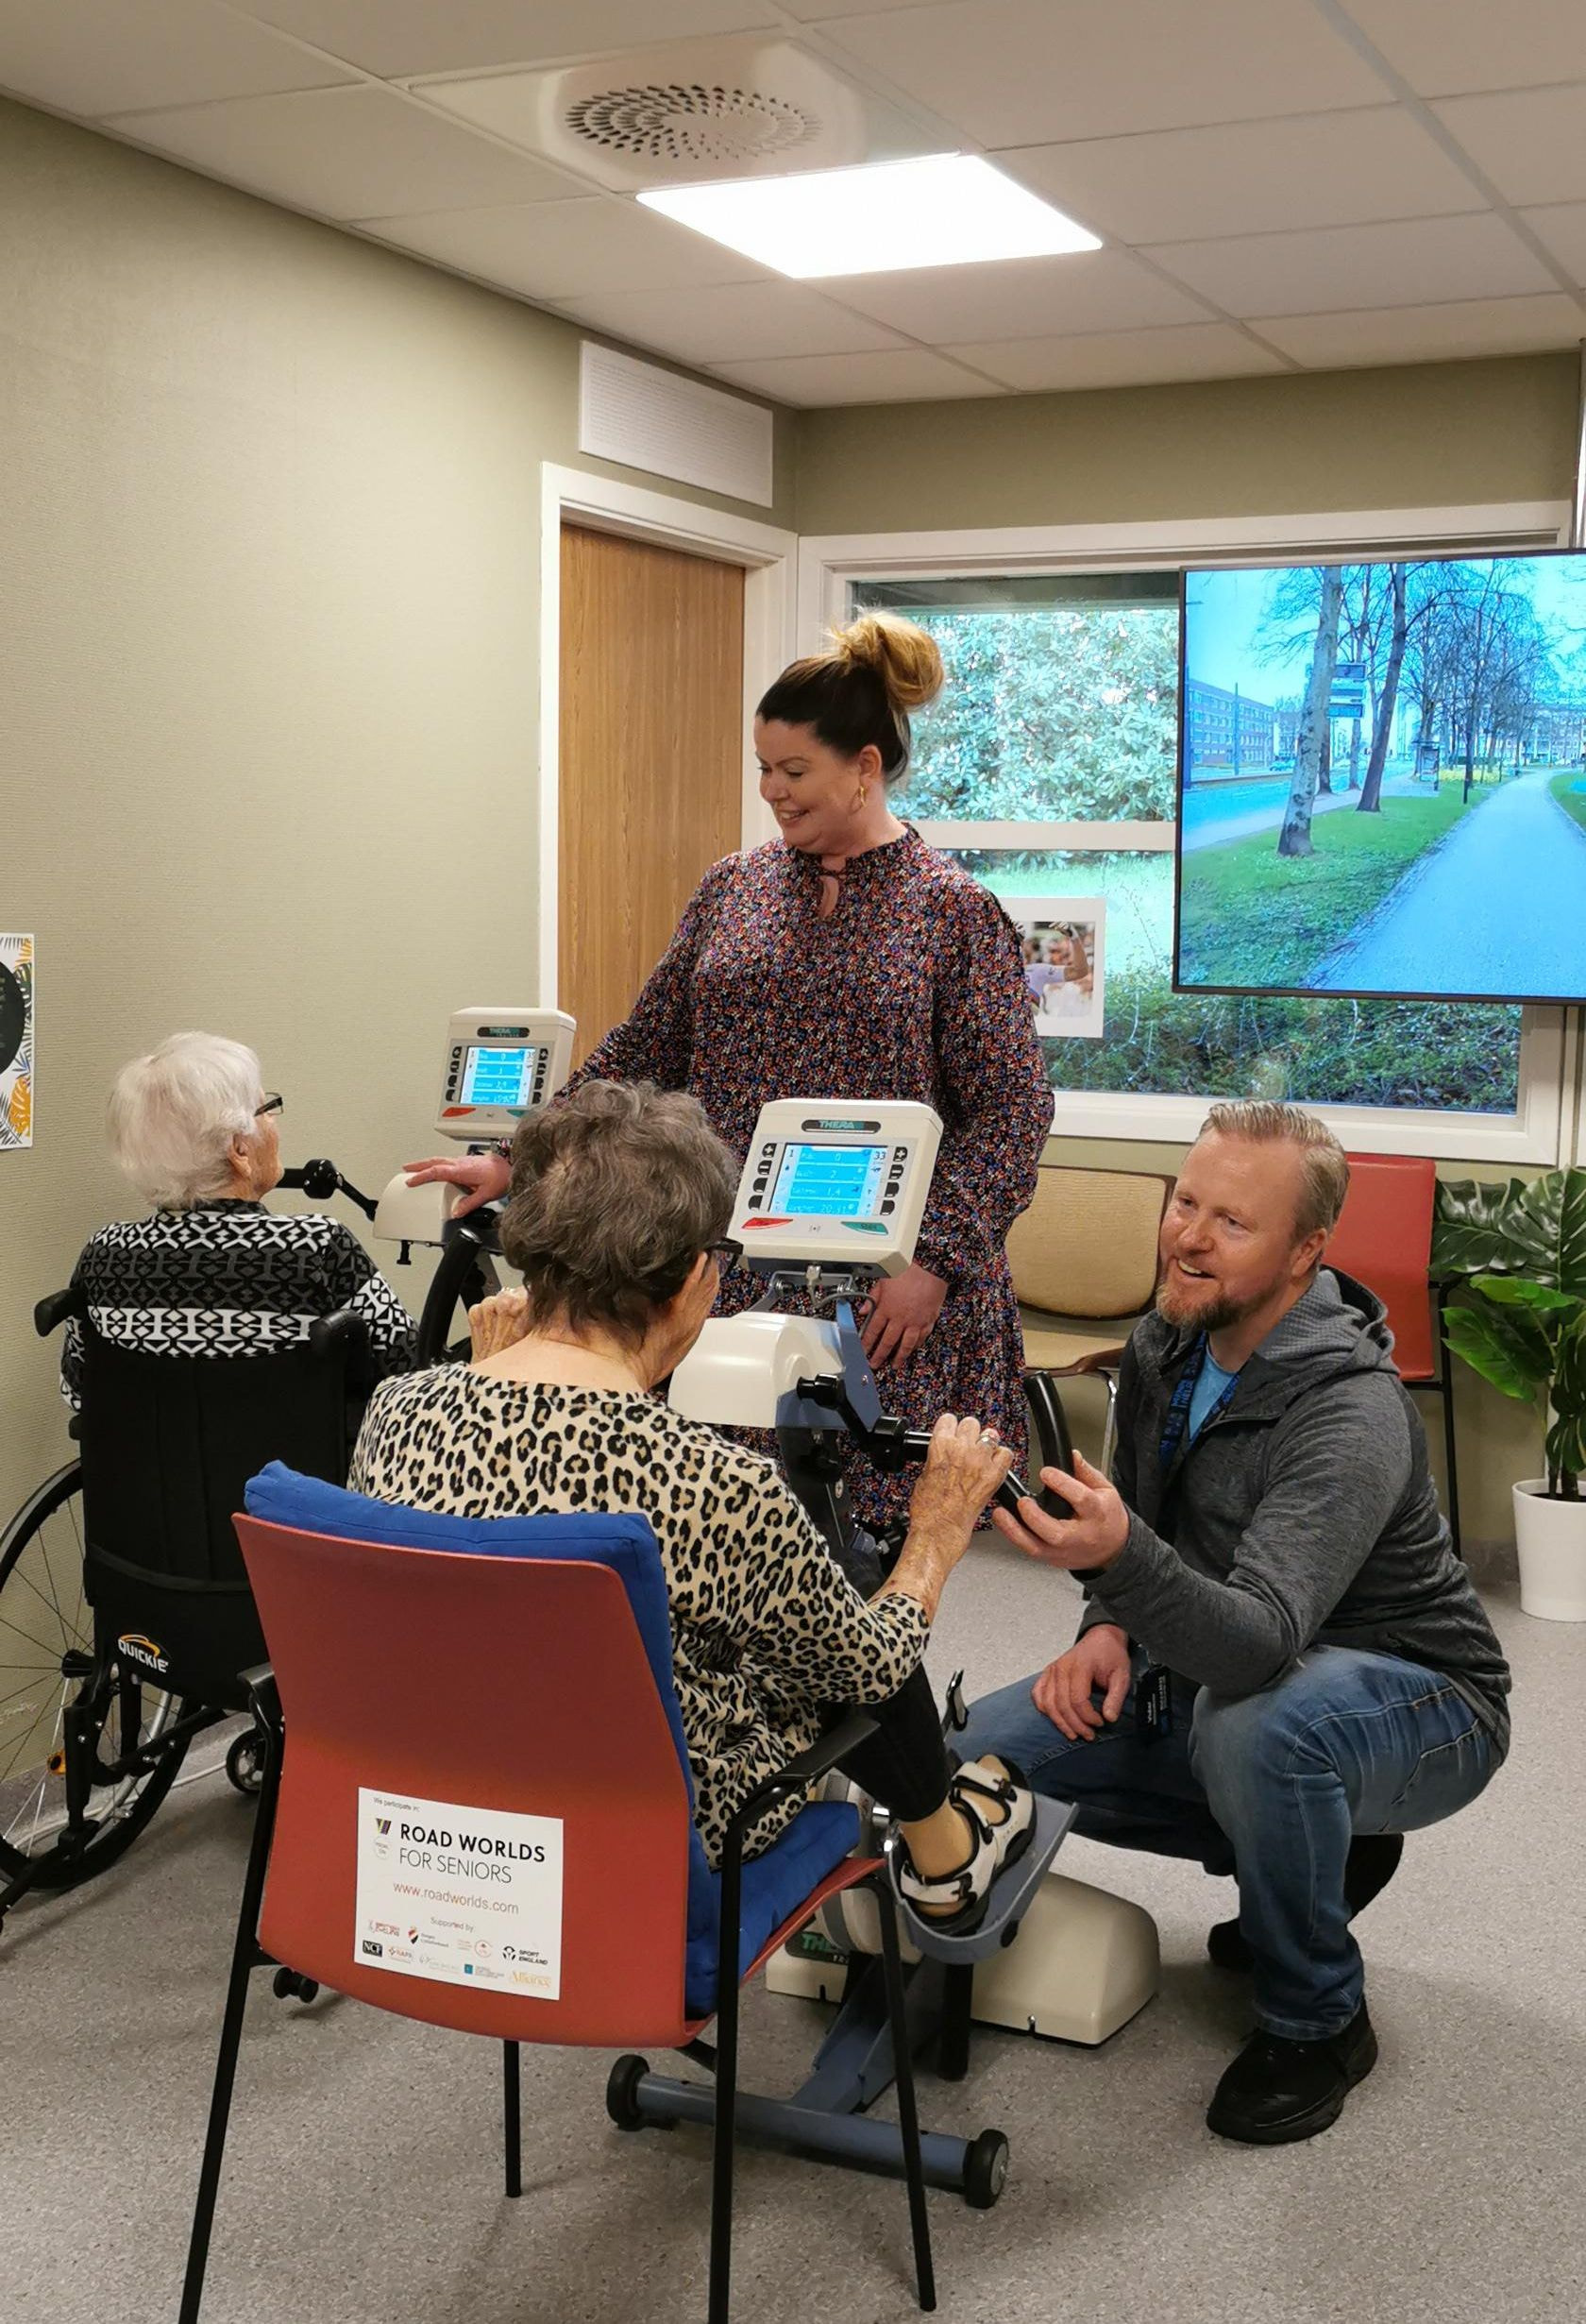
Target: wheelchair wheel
x=54, y=1697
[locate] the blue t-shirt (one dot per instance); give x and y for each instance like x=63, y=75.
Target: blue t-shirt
x=1209, y=1386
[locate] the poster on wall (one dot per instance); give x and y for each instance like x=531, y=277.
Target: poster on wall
x=16, y=1041
x=1064, y=966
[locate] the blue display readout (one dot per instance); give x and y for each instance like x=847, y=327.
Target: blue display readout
x=829, y=1181
x=499, y=1076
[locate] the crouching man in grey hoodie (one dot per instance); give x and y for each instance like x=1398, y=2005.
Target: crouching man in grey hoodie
x=1283, y=1666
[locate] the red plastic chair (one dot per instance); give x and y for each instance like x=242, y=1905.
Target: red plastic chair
x=558, y=1713
x=1384, y=1239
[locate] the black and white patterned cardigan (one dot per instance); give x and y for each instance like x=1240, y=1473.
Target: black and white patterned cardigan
x=229, y=1279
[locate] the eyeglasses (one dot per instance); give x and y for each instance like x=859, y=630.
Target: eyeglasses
x=725, y=1254
x=274, y=1103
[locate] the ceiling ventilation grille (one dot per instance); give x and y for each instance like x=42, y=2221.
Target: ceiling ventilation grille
x=692, y=122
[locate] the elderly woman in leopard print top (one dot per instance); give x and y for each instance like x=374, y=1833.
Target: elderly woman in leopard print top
x=620, y=1197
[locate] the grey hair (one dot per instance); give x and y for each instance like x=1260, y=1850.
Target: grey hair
x=1324, y=1179
x=174, y=1114
x=614, y=1194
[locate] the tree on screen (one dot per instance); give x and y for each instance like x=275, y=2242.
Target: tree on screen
x=1293, y=838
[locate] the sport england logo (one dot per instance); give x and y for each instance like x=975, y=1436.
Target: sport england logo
x=382, y=1826
x=143, y=1652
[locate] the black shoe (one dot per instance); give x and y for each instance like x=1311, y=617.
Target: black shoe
x=1278, y=2091
x=1372, y=1860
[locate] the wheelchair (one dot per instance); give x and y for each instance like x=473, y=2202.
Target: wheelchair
x=125, y=1614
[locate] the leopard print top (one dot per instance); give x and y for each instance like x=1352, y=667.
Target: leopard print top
x=767, y=1629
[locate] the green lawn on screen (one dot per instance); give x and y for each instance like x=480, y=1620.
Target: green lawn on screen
x=1567, y=789
x=1250, y=916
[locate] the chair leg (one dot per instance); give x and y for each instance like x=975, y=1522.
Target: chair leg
x=903, y=2071
x=512, y=2118
x=725, y=2131
x=244, y=1958
x=1109, y=1430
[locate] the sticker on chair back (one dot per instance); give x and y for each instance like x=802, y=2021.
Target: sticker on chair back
x=463, y=1895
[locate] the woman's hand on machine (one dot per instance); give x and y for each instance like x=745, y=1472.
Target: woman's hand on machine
x=482, y=1177
x=497, y=1322
x=962, y=1471
x=900, y=1313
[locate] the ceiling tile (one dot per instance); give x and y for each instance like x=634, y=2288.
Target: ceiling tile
x=1415, y=261
x=1442, y=47
x=910, y=376
x=738, y=322
x=1563, y=230
x=1466, y=326
x=562, y=251
x=1531, y=145
x=1321, y=169
x=347, y=153
x=1019, y=298
x=1121, y=358
x=1028, y=72
x=397, y=38
x=90, y=57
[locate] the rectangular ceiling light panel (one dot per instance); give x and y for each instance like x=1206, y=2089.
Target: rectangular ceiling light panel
x=946, y=210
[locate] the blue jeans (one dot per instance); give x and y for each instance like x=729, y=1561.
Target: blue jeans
x=1270, y=1786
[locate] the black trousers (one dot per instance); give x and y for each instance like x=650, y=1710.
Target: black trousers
x=905, y=1764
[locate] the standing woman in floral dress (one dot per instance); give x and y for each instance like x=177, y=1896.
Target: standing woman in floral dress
x=846, y=960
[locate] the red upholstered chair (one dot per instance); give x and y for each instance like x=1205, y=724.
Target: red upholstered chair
x=1384, y=1239
x=532, y=1681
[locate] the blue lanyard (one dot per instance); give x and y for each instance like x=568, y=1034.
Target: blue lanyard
x=1183, y=1397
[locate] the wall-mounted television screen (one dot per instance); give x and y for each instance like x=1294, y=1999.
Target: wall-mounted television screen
x=1382, y=779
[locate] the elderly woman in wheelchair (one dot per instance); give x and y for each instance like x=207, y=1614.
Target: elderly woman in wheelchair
x=617, y=1204
x=211, y=1271
x=202, y=1341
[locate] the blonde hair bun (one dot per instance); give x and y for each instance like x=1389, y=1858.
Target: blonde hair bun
x=906, y=658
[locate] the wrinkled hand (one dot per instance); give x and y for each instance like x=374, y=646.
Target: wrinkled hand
x=900, y=1313
x=482, y=1176
x=1098, y=1660
x=1093, y=1536
x=963, y=1468
x=497, y=1322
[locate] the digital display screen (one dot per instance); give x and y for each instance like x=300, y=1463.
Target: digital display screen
x=829, y=1181
x=1382, y=780
x=499, y=1076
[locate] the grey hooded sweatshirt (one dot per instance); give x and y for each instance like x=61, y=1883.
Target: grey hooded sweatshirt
x=1302, y=1513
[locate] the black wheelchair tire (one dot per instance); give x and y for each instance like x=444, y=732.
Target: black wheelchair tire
x=59, y=1865
x=621, y=2083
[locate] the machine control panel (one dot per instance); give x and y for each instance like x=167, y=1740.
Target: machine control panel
x=500, y=1064
x=837, y=1183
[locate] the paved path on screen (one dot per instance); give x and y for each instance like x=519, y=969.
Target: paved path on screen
x=1499, y=907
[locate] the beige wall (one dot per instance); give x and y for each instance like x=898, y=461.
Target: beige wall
x=1427, y=436
x=267, y=748
x=1421, y=437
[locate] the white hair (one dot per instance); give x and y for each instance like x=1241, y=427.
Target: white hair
x=174, y=1114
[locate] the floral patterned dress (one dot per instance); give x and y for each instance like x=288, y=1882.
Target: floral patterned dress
x=913, y=987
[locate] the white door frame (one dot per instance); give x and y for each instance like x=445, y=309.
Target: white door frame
x=768, y=557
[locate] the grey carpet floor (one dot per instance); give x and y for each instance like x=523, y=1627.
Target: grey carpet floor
x=362, y=2179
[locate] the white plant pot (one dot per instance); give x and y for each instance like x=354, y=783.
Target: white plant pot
x=1550, y=1537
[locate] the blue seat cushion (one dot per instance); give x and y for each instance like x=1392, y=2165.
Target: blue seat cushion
x=773, y=1884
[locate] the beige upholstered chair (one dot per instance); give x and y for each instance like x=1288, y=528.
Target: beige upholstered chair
x=1084, y=1261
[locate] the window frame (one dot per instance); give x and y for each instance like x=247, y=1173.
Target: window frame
x=1551, y=1111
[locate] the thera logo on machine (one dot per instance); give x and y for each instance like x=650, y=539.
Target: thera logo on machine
x=143, y=1651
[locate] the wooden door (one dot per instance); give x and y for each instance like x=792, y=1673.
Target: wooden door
x=651, y=758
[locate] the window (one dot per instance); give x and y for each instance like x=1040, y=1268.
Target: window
x=1049, y=768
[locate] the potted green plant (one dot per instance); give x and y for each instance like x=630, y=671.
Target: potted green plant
x=1517, y=1250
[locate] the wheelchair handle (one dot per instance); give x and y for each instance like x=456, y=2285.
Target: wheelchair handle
x=53, y=1311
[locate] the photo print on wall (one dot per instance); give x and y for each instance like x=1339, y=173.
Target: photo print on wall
x=16, y=1041
x=1065, y=975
